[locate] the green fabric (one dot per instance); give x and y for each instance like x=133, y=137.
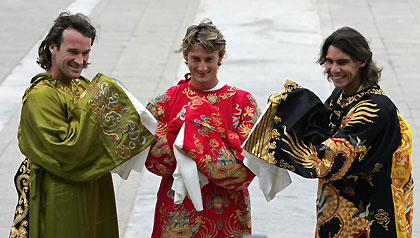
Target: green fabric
x=362, y=86
x=74, y=134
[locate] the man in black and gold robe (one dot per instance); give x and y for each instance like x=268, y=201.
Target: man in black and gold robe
x=356, y=144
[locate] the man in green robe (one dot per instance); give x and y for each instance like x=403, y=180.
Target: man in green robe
x=73, y=132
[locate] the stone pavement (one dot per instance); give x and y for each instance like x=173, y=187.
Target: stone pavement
x=267, y=42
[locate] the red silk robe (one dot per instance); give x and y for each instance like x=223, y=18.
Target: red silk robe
x=216, y=124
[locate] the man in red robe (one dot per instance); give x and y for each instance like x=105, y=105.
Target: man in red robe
x=215, y=119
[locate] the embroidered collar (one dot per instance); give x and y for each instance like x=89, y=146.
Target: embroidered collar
x=344, y=100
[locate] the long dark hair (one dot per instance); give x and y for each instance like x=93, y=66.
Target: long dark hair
x=65, y=20
x=357, y=47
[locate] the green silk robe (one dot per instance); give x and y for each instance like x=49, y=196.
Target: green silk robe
x=74, y=135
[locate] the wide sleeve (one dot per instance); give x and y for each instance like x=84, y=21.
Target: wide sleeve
x=160, y=159
x=249, y=113
x=83, y=138
x=215, y=149
x=293, y=135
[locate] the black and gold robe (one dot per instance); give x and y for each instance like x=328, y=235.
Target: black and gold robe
x=357, y=146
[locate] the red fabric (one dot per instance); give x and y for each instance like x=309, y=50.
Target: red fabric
x=216, y=124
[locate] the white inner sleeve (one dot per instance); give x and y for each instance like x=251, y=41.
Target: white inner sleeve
x=271, y=178
x=148, y=120
x=187, y=178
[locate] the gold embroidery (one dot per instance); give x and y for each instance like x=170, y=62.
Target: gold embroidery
x=233, y=135
x=330, y=205
x=258, y=144
x=237, y=229
x=223, y=164
x=22, y=209
x=244, y=129
x=252, y=112
x=122, y=151
x=382, y=218
x=216, y=119
x=221, y=131
x=160, y=148
x=230, y=93
x=402, y=187
x=368, y=176
x=347, y=101
x=214, y=143
x=212, y=98
x=308, y=156
x=350, y=150
x=408, y=204
x=161, y=130
x=290, y=86
x=178, y=224
x=156, y=109
x=284, y=165
x=207, y=158
x=197, y=101
x=159, y=167
x=276, y=99
x=74, y=90
x=269, y=158
x=349, y=191
x=275, y=134
x=208, y=227
x=360, y=114
x=199, y=146
x=189, y=93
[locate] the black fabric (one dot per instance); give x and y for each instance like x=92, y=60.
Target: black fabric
x=347, y=143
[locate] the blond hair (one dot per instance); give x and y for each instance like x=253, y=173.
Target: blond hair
x=206, y=35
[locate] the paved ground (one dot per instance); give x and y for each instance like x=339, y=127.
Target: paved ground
x=267, y=42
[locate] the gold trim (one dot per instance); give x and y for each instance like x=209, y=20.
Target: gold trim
x=22, y=208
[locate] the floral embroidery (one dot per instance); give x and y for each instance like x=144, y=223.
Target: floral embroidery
x=124, y=133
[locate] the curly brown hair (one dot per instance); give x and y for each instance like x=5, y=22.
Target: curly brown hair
x=65, y=20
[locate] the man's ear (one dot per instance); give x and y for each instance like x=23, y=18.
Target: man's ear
x=185, y=56
x=222, y=55
x=362, y=64
x=52, y=46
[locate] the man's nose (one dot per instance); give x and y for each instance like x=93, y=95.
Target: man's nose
x=202, y=67
x=79, y=59
x=335, y=68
